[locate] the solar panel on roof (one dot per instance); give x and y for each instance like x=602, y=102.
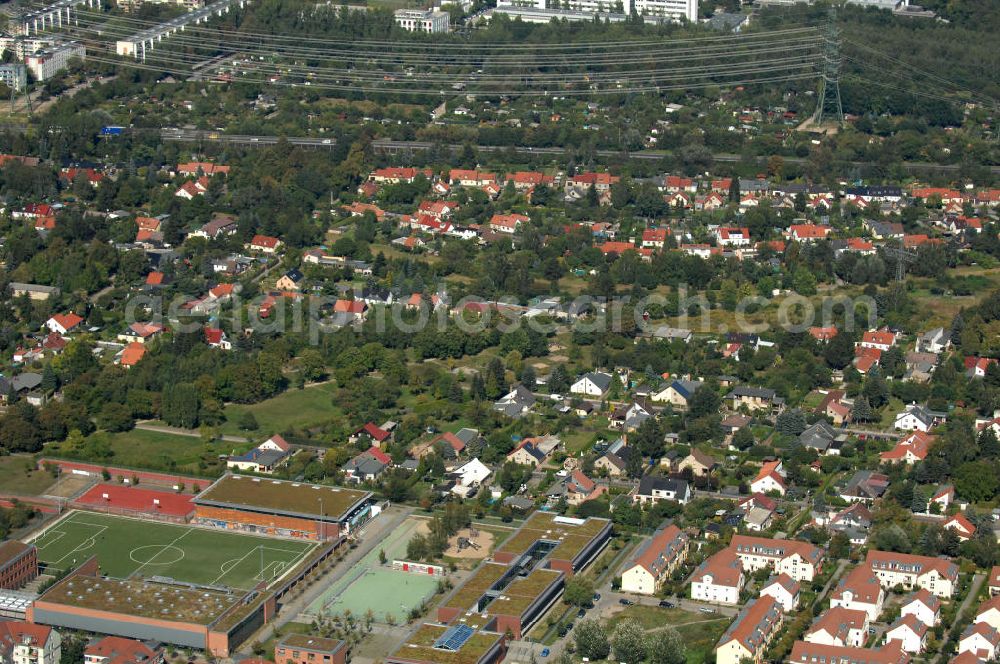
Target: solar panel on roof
x=454, y=638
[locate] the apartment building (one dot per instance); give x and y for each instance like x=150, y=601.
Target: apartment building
x=719, y=579
x=937, y=575
x=799, y=560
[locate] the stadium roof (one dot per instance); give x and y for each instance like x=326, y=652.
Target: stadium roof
x=301, y=499
x=145, y=599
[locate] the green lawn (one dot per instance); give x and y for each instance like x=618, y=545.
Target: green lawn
x=151, y=450
x=307, y=407
x=701, y=637
x=18, y=475
x=129, y=547
x=888, y=414
x=699, y=632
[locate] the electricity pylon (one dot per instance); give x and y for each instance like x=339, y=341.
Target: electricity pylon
x=829, y=86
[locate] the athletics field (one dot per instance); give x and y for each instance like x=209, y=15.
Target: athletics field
x=127, y=547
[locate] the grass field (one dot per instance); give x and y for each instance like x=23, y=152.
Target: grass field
x=371, y=586
x=699, y=632
x=128, y=547
x=151, y=450
x=18, y=475
x=294, y=408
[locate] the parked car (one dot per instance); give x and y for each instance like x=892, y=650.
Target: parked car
x=597, y=597
x=545, y=652
x=581, y=613
x=626, y=602
x=705, y=609
x=666, y=604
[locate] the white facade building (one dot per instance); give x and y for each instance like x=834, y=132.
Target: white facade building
x=666, y=9
x=47, y=62
x=430, y=21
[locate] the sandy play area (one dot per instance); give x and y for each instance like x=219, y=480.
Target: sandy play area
x=480, y=543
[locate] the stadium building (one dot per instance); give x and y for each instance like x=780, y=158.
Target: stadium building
x=214, y=619
x=507, y=595
x=282, y=508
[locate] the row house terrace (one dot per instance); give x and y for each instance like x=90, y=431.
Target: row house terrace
x=936, y=575
x=799, y=560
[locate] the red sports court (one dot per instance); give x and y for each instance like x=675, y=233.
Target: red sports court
x=136, y=499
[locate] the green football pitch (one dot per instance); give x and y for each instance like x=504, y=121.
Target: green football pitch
x=128, y=547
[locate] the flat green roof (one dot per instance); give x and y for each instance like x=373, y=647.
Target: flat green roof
x=572, y=535
x=420, y=647
x=522, y=593
x=313, y=643
x=146, y=599
x=301, y=499
x=469, y=592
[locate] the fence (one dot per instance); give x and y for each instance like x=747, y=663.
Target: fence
x=417, y=568
x=124, y=511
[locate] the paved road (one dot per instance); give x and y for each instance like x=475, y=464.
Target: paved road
x=177, y=431
x=977, y=582
x=390, y=146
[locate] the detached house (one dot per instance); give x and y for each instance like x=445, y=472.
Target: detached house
x=527, y=454
x=882, y=340
x=264, y=458
x=654, y=238
x=519, y=401
x=753, y=398
x=367, y=466
x=593, y=384
x=508, y=223
x=264, y=244
x=732, y=237
x=370, y=433
x=909, y=450
x=63, y=323
x=808, y=232
x=653, y=488
x=918, y=418
x=770, y=478
x=678, y=393
x=577, y=488
x=655, y=561
x=961, y=526
x=700, y=463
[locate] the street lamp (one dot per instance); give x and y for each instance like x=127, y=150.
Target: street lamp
x=319, y=534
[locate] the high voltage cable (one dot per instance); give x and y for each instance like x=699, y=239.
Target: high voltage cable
x=940, y=79
x=436, y=92
x=937, y=91
x=724, y=69
x=406, y=58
